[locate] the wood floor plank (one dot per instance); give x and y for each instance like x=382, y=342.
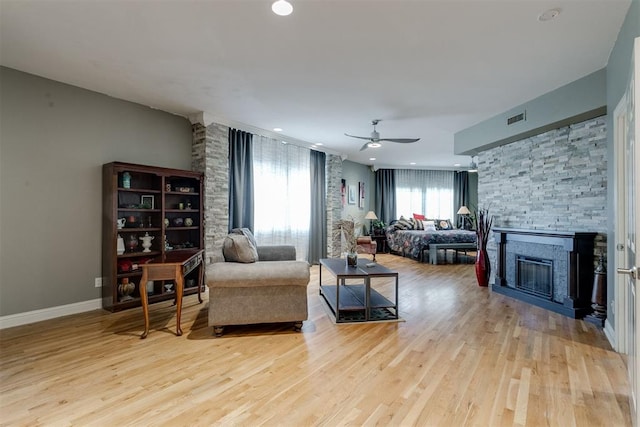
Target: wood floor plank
x=461, y=356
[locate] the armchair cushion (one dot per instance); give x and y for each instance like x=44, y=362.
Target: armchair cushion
x=272, y=273
x=277, y=253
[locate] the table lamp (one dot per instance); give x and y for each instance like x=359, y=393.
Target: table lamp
x=371, y=216
x=465, y=212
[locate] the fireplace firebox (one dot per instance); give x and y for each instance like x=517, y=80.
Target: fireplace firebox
x=550, y=269
x=535, y=276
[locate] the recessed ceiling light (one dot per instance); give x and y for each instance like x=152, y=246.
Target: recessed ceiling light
x=372, y=158
x=282, y=8
x=412, y=163
x=319, y=143
x=456, y=164
x=284, y=142
x=550, y=14
x=277, y=129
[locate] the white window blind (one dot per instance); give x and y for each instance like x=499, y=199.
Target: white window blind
x=425, y=192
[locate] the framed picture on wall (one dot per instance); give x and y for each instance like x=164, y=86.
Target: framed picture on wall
x=361, y=194
x=353, y=194
x=343, y=192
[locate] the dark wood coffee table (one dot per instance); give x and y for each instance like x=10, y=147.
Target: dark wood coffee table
x=357, y=302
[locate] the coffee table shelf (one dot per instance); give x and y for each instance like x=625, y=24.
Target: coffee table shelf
x=357, y=302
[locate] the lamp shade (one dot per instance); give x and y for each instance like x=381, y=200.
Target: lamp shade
x=464, y=211
x=370, y=215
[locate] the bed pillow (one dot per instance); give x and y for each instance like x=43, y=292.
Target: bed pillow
x=418, y=216
x=444, y=224
x=418, y=224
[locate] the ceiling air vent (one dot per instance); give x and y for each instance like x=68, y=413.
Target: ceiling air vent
x=517, y=118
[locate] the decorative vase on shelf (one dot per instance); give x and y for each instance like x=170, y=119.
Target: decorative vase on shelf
x=132, y=243
x=125, y=289
x=352, y=259
x=146, y=242
x=120, y=245
x=126, y=180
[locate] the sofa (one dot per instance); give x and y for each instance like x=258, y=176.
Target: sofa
x=270, y=288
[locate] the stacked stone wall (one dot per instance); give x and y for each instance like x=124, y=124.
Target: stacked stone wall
x=334, y=203
x=210, y=155
x=553, y=181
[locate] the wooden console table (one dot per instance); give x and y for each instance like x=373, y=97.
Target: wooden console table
x=173, y=266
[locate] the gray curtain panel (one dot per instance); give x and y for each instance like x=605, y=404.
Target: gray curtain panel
x=460, y=194
x=386, y=195
x=240, y=179
x=318, y=220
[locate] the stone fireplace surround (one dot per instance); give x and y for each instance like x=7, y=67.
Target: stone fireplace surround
x=570, y=255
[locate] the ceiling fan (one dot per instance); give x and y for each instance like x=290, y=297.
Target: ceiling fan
x=374, y=140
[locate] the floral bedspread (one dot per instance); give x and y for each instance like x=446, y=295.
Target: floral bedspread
x=412, y=242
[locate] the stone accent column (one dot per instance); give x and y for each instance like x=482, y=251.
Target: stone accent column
x=334, y=204
x=210, y=155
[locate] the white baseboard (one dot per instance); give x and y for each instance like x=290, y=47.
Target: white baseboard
x=18, y=319
x=610, y=334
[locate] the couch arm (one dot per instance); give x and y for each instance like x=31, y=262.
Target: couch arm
x=277, y=253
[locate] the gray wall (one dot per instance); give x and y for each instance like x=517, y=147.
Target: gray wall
x=354, y=173
x=618, y=78
x=54, y=139
x=575, y=102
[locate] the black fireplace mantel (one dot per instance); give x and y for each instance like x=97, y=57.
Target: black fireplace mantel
x=575, y=283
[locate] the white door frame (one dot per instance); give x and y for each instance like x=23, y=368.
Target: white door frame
x=619, y=304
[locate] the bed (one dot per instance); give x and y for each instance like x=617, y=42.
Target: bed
x=413, y=242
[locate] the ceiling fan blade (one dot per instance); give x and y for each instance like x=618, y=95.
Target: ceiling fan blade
x=368, y=138
x=364, y=147
x=401, y=140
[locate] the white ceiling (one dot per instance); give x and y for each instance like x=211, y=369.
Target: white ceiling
x=427, y=68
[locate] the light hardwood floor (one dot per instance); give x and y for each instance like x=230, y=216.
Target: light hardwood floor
x=462, y=356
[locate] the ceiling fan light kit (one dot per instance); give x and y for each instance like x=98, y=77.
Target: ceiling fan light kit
x=375, y=140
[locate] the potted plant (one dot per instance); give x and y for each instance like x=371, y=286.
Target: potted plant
x=378, y=227
x=482, y=222
x=346, y=230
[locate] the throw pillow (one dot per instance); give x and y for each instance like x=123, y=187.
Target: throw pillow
x=418, y=216
x=403, y=224
x=238, y=248
x=444, y=224
x=429, y=226
x=247, y=233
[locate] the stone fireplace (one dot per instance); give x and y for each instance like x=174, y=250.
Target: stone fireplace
x=550, y=269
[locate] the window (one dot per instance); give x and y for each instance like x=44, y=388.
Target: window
x=281, y=175
x=424, y=192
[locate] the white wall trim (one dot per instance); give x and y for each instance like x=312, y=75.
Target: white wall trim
x=25, y=318
x=610, y=334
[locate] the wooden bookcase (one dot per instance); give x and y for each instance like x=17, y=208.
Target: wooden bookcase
x=165, y=204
